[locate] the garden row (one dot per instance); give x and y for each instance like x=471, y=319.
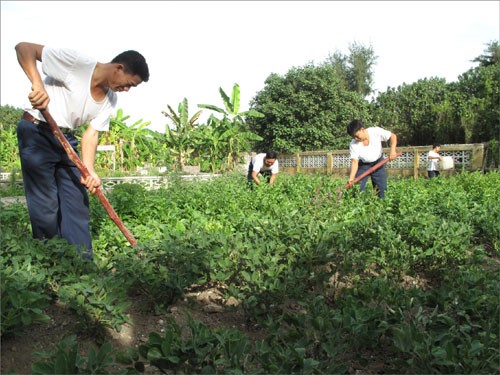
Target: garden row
x=409, y=282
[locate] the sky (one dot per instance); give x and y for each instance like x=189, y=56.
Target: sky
x=193, y=48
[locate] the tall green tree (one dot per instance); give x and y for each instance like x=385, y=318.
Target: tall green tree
x=480, y=88
x=355, y=70
x=429, y=110
x=413, y=111
x=306, y=109
x=491, y=55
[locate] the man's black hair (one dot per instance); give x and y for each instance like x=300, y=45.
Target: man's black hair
x=134, y=63
x=436, y=145
x=271, y=155
x=354, y=127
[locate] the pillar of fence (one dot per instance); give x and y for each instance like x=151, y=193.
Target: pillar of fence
x=416, y=164
x=329, y=163
x=478, y=156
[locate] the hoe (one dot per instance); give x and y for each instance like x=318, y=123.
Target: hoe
x=368, y=172
x=84, y=171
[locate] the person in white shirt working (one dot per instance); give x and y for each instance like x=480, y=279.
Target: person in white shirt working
x=433, y=157
x=265, y=164
x=366, y=151
x=80, y=90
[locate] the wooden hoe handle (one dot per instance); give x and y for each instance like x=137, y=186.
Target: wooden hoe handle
x=369, y=171
x=85, y=173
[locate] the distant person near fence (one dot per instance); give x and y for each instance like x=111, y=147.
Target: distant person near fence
x=266, y=165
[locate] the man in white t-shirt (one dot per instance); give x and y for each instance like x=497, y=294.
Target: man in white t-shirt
x=80, y=90
x=366, y=151
x=433, y=158
x=265, y=164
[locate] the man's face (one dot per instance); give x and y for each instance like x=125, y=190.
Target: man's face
x=269, y=162
x=361, y=135
x=122, y=81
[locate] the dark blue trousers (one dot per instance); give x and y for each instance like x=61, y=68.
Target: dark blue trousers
x=58, y=204
x=379, y=177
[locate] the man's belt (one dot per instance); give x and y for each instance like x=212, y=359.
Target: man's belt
x=28, y=117
x=372, y=162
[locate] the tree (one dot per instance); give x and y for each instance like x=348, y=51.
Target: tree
x=430, y=110
x=181, y=140
x=481, y=91
x=415, y=112
x=491, y=55
x=9, y=152
x=355, y=71
x=306, y=109
x=131, y=142
x=227, y=138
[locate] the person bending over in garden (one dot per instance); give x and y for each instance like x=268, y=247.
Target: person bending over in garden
x=80, y=90
x=366, y=151
x=265, y=164
x=433, y=157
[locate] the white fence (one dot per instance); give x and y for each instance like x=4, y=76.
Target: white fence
x=149, y=182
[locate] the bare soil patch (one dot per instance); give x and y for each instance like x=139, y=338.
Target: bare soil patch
x=206, y=306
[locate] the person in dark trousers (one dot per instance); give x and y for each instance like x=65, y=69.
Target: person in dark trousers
x=366, y=151
x=77, y=90
x=265, y=164
x=433, y=158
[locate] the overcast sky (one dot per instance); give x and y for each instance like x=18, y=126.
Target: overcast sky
x=195, y=47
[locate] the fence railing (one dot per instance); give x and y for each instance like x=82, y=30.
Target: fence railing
x=412, y=162
x=148, y=182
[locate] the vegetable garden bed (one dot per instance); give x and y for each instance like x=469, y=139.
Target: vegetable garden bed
x=290, y=278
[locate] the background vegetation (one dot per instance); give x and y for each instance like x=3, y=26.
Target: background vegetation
x=309, y=107
x=306, y=109
x=330, y=282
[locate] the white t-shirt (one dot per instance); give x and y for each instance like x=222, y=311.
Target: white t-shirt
x=372, y=152
x=433, y=163
x=68, y=79
x=259, y=166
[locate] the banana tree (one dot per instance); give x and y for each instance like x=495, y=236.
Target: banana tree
x=230, y=136
x=232, y=105
x=180, y=141
x=9, y=153
x=222, y=143
x=132, y=143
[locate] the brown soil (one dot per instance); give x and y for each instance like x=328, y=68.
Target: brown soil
x=206, y=306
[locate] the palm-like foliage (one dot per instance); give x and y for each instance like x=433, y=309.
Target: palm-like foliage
x=227, y=138
x=132, y=143
x=180, y=140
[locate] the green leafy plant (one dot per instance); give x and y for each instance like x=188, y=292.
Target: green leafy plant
x=99, y=302
x=23, y=297
x=203, y=351
x=66, y=359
